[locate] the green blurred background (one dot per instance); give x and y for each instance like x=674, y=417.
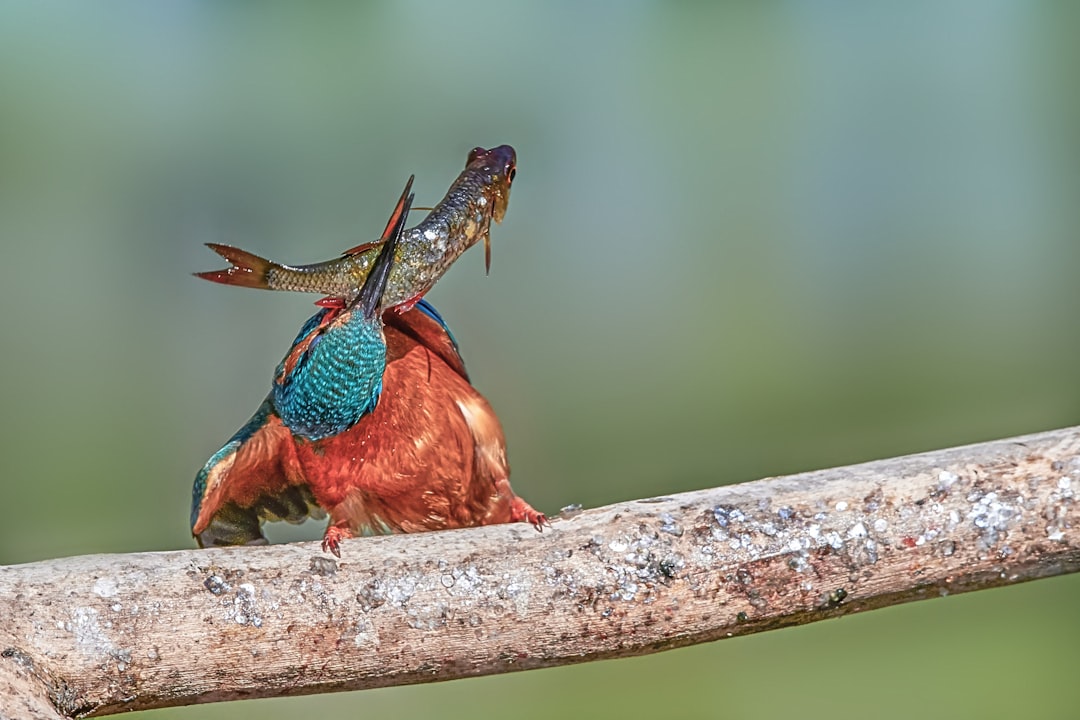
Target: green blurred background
x=744, y=240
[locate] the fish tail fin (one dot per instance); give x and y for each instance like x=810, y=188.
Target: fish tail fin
x=248, y=269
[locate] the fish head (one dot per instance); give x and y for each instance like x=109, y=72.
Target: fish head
x=498, y=166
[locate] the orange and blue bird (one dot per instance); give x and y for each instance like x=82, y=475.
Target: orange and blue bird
x=371, y=419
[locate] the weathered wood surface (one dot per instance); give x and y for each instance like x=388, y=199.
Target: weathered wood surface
x=102, y=634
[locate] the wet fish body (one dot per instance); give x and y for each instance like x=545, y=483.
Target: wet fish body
x=460, y=220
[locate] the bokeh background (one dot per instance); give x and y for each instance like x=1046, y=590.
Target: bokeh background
x=745, y=240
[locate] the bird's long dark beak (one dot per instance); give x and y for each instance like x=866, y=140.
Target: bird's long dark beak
x=401, y=210
x=370, y=297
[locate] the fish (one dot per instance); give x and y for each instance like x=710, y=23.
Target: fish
x=479, y=195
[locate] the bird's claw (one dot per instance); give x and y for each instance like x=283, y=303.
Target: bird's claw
x=521, y=511
x=332, y=539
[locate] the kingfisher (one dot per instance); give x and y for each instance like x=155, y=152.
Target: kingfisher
x=371, y=419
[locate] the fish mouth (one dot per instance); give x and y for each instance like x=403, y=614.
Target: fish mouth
x=500, y=165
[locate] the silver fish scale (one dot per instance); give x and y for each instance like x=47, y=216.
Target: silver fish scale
x=423, y=255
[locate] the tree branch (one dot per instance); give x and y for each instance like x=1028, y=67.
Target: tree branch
x=101, y=634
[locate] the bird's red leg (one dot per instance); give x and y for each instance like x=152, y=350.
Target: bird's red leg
x=333, y=537
x=521, y=511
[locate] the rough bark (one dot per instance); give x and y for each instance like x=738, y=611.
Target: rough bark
x=102, y=634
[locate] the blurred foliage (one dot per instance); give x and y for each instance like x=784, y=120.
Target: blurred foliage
x=745, y=240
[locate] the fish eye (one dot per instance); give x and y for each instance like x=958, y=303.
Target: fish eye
x=511, y=173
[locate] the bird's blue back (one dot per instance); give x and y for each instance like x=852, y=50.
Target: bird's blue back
x=332, y=375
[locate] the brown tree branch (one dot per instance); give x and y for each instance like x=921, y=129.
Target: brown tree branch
x=101, y=634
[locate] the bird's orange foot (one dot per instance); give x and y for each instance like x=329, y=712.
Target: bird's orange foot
x=332, y=539
x=521, y=511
